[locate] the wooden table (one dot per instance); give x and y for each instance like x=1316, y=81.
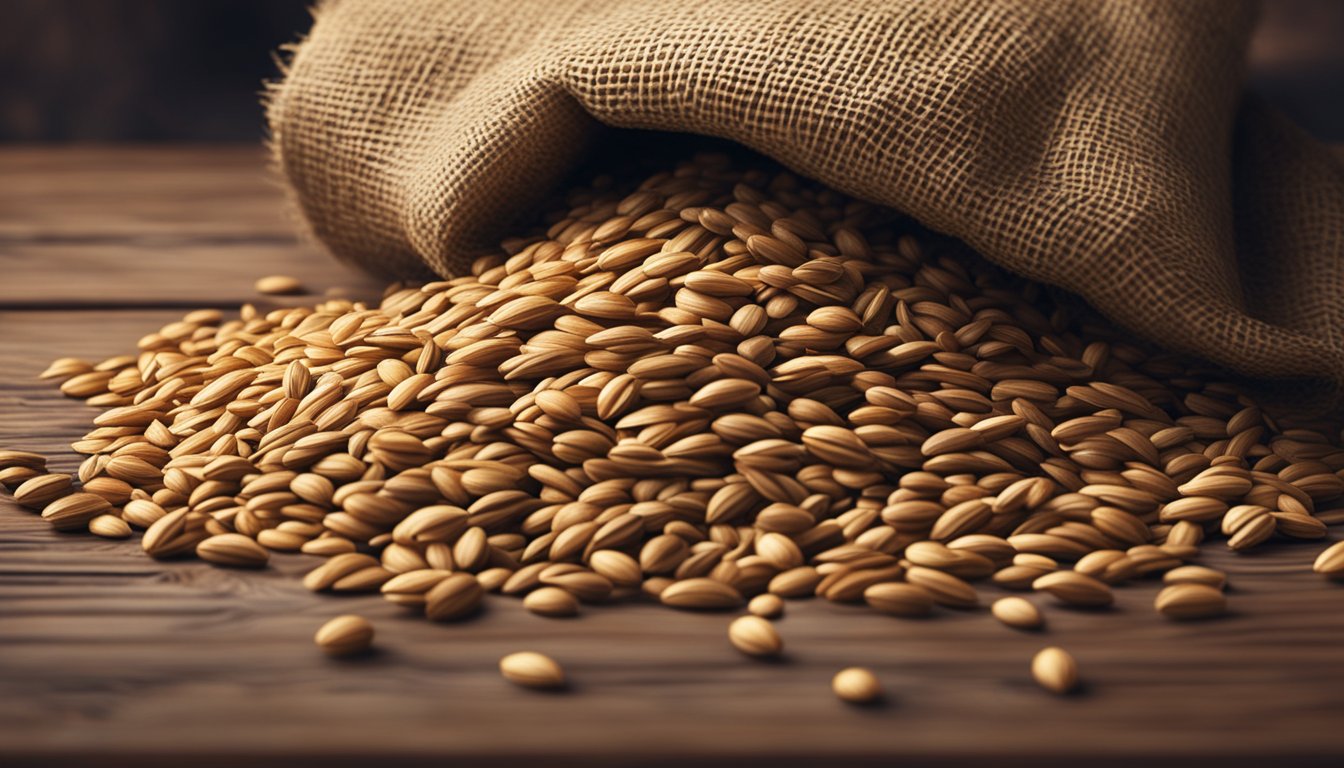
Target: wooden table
x=110, y=658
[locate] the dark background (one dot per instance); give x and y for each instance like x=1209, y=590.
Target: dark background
x=191, y=70
x=140, y=70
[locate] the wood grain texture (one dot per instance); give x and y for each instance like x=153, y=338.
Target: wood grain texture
x=110, y=658
x=142, y=227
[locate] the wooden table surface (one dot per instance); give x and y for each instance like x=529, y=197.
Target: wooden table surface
x=110, y=658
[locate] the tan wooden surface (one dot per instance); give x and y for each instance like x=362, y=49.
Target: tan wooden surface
x=110, y=658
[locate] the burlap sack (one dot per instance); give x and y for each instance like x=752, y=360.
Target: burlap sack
x=1103, y=146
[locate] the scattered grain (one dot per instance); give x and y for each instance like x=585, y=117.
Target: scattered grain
x=279, y=285
x=767, y=606
x=1055, y=670
x=345, y=635
x=755, y=636
x=551, y=601
x=1185, y=601
x=532, y=670
x=110, y=527
x=856, y=685
x=1017, y=612
x=1331, y=561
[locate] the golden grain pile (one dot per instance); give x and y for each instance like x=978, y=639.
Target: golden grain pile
x=721, y=384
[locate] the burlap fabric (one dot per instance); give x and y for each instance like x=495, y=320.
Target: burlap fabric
x=1103, y=146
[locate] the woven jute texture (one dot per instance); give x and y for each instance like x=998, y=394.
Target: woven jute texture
x=1102, y=146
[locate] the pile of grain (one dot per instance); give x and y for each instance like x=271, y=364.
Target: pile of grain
x=722, y=384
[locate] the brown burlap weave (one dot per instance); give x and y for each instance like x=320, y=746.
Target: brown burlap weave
x=1103, y=146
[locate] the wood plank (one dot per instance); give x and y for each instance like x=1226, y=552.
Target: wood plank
x=178, y=227
x=59, y=193
x=109, y=658
x=168, y=273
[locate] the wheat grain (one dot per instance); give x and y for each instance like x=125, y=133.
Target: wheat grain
x=1195, y=574
x=767, y=606
x=1190, y=601
x=551, y=601
x=109, y=527
x=755, y=636
x=700, y=593
x=1017, y=612
x=1074, y=588
x=232, y=549
x=1331, y=561
x=346, y=635
x=11, y=459
x=856, y=685
x=278, y=285
x=74, y=511
x=454, y=597
x=532, y=670
x=944, y=588
x=1055, y=670
x=40, y=490
x=899, y=599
